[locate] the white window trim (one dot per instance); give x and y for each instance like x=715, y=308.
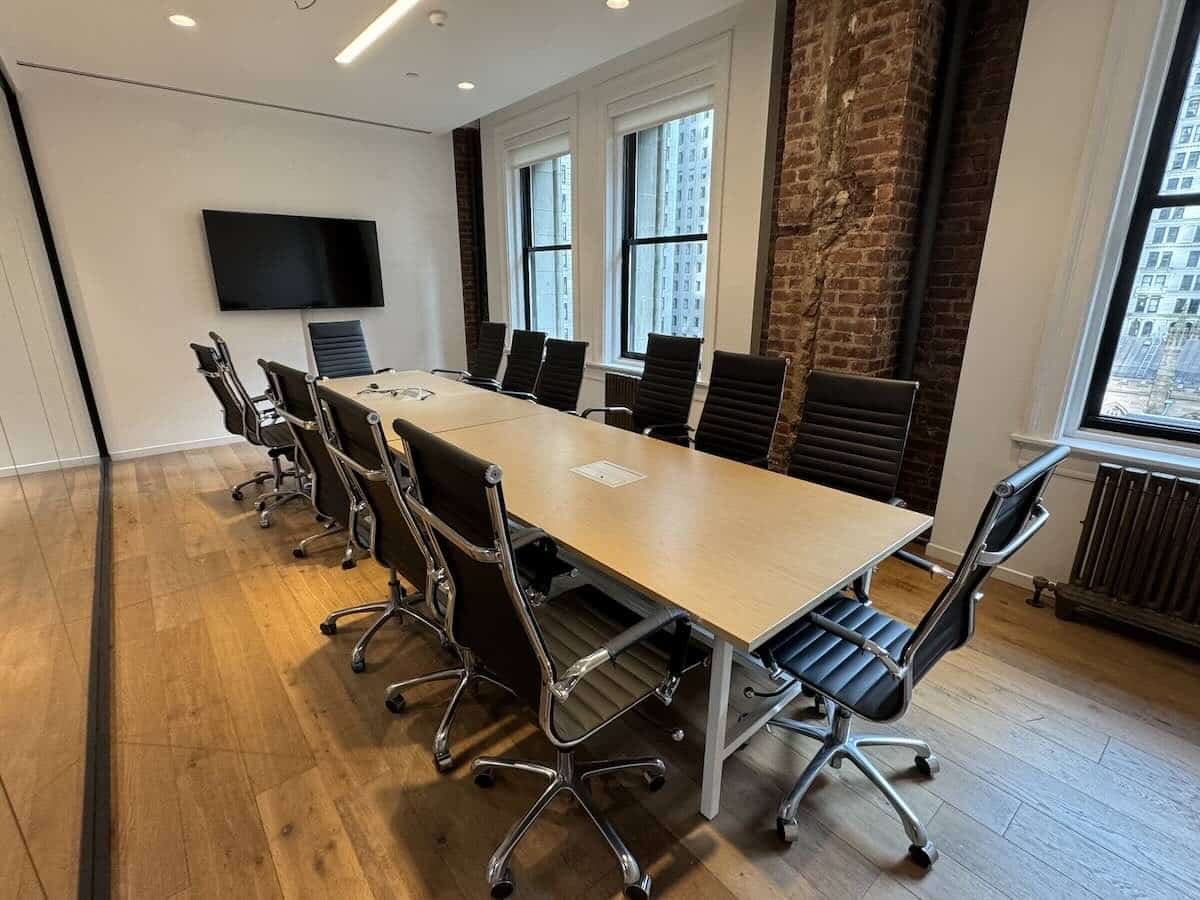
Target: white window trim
x=538, y=134
x=1137, y=56
x=655, y=93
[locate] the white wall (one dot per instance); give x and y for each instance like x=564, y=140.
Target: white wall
x=1077, y=127
x=42, y=413
x=734, y=292
x=126, y=171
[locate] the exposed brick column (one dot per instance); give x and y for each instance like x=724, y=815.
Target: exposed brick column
x=985, y=88
x=468, y=184
x=855, y=117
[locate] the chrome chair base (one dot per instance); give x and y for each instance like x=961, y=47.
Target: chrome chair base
x=837, y=743
x=397, y=606
x=331, y=527
x=468, y=675
x=570, y=777
x=258, y=480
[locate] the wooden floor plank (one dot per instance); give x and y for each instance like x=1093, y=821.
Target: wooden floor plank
x=149, y=858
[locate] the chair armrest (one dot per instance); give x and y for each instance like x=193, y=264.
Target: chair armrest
x=520, y=395
x=758, y=461
x=924, y=564
x=628, y=638
x=519, y=537
x=461, y=373
x=898, y=502
x=490, y=383
x=674, y=429
x=606, y=409
x=384, y=371
x=896, y=670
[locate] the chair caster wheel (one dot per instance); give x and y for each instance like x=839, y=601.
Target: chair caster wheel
x=504, y=887
x=485, y=778
x=395, y=704
x=260, y=505
x=639, y=891
x=923, y=856
x=655, y=782
x=348, y=564
x=787, y=829
x=444, y=763
x=264, y=522
x=329, y=628
x=238, y=495
x=358, y=664
x=928, y=765
x=299, y=553
x=677, y=735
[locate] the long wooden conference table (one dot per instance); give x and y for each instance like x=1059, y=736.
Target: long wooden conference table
x=744, y=551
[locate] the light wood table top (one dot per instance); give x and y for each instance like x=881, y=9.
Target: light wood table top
x=452, y=405
x=744, y=550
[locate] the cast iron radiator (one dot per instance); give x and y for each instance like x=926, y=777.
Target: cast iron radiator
x=619, y=390
x=1138, y=559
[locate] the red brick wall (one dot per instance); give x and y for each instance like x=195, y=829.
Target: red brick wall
x=854, y=129
x=855, y=115
x=468, y=182
x=989, y=66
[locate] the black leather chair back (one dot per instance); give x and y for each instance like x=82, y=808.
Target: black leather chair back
x=664, y=393
x=1013, y=513
x=852, y=433
x=209, y=367
x=358, y=434
x=340, y=349
x=524, y=361
x=289, y=389
x=252, y=415
x=489, y=351
x=483, y=616
x=742, y=406
x=562, y=374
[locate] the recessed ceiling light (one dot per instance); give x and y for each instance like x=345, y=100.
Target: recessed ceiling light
x=412, y=74
x=182, y=21
x=616, y=4
x=466, y=85
x=374, y=31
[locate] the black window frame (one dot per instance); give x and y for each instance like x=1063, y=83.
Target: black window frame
x=629, y=239
x=528, y=247
x=1148, y=199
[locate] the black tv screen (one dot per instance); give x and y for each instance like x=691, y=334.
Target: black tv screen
x=262, y=261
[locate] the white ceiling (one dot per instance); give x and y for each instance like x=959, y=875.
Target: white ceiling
x=270, y=51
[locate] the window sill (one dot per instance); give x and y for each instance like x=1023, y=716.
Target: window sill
x=595, y=371
x=1105, y=447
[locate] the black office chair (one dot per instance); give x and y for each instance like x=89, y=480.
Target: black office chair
x=740, y=411
x=371, y=470
x=580, y=661
x=294, y=397
x=340, y=349
x=524, y=363
x=864, y=663
x=484, y=364
x=664, y=392
x=560, y=377
x=852, y=433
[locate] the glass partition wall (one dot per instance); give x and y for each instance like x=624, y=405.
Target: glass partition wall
x=49, y=501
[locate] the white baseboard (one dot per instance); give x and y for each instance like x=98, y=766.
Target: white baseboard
x=48, y=465
x=1004, y=573
x=159, y=449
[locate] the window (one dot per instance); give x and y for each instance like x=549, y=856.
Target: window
x=1151, y=386
x=656, y=233
x=546, y=246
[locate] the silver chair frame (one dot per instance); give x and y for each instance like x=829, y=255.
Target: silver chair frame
x=566, y=775
x=835, y=737
x=399, y=604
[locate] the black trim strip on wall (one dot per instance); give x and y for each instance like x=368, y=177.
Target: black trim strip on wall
x=95, y=834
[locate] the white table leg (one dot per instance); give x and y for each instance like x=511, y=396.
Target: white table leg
x=714, y=729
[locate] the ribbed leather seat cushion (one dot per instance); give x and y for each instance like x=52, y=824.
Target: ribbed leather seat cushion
x=485, y=361
x=340, y=349
x=277, y=435
x=742, y=406
x=561, y=375
x=839, y=669
x=572, y=626
x=852, y=433
x=524, y=361
x=664, y=395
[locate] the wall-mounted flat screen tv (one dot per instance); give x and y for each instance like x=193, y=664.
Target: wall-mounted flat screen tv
x=262, y=261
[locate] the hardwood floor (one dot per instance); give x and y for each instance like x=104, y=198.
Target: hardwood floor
x=250, y=760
